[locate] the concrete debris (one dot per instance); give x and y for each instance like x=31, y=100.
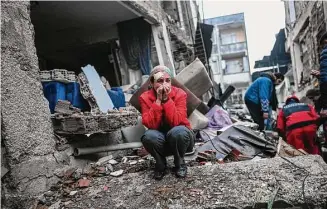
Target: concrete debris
x=104, y=160
x=88, y=124
x=93, y=90
x=109, y=168
x=55, y=205
x=66, y=108
x=49, y=194
x=72, y=193
x=133, y=162
x=286, y=150
x=4, y=171
x=117, y=173
x=231, y=185
x=112, y=162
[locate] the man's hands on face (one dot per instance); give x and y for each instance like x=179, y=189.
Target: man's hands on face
x=166, y=90
x=160, y=91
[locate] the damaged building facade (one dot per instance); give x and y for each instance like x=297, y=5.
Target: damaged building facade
x=229, y=58
x=305, y=25
x=123, y=40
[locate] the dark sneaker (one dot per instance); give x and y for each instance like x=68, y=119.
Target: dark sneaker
x=181, y=172
x=158, y=175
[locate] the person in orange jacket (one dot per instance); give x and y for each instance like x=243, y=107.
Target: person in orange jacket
x=164, y=113
x=297, y=124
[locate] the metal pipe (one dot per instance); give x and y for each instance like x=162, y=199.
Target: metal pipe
x=92, y=150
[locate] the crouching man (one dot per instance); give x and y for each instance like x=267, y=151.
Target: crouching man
x=164, y=113
x=297, y=124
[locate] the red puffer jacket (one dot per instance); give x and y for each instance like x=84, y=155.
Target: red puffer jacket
x=173, y=112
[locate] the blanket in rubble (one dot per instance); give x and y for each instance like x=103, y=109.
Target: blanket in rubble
x=241, y=138
x=218, y=119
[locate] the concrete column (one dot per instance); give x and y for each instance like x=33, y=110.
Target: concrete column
x=155, y=32
x=297, y=63
x=168, y=46
x=26, y=130
x=180, y=14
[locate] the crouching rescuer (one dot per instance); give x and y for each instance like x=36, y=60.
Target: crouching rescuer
x=297, y=124
x=164, y=113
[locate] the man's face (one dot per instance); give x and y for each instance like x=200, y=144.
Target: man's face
x=161, y=78
x=278, y=81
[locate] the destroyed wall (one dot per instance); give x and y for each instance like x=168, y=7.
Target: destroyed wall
x=180, y=40
x=305, y=33
x=26, y=129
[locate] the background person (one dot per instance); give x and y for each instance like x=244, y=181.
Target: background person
x=297, y=124
x=261, y=97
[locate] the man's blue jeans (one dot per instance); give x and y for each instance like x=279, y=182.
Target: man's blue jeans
x=177, y=141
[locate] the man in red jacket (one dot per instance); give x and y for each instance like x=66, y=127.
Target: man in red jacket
x=163, y=110
x=297, y=123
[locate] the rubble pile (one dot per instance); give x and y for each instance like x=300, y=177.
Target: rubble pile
x=251, y=184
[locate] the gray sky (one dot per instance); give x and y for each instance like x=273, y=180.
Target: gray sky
x=263, y=20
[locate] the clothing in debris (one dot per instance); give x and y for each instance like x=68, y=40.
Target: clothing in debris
x=298, y=123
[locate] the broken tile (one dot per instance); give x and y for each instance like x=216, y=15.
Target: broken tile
x=117, y=173
x=83, y=183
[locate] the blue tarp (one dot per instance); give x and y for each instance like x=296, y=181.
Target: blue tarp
x=117, y=96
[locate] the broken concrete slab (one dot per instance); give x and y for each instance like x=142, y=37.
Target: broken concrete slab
x=100, y=123
x=233, y=185
x=117, y=173
x=104, y=160
x=98, y=91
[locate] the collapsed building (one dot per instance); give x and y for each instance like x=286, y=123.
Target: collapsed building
x=37, y=168
x=122, y=40
x=305, y=25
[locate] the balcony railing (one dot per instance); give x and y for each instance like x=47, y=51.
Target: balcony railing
x=233, y=48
